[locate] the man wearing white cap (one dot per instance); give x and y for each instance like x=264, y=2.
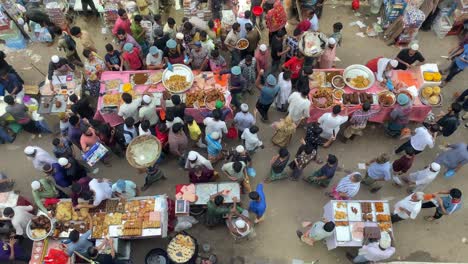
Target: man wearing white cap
x=196, y=159
x=39, y=157
x=148, y=111
x=58, y=66
x=101, y=189
x=384, y=69
x=42, y=189
x=243, y=155
x=375, y=251
x=406, y=57
x=327, y=59
x=244, y=119
x=408, y=208
x=239, y=224
x=73, y=169
x=262, y=58
x=419, y=180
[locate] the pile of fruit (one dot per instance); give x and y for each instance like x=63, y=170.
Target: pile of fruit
x=432, y=76
x=431, y=94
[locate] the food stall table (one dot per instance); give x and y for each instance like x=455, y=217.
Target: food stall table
x=418, y=113
x=352, y=216
x=64, y=85
x=201, y=192
x=114, y=119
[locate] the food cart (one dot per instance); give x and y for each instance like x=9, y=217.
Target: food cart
x=199, y=193
x=352, y=217
x=335, y=86
x=120, y=219
x=64, y=85
x=198, y=90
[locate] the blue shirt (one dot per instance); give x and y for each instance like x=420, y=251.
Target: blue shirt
x=11, y=83
x=461, y=64
x=380, y=171
x=449, y=206
x=268, y=94
x=259, y=207
x=81, y=246
x=60, y=176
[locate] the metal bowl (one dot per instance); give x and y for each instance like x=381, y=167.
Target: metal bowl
x=334, y=79
x=242, y=39
x=424, y=101
x=355, y=70
x=178, y=69
x=392, y=95
x=29, y=230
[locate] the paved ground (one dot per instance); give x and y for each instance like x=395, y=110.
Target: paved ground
x=289, y=203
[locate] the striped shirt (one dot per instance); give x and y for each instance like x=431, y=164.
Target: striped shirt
x=294, y=45
x=360, y=118
x=348, y=187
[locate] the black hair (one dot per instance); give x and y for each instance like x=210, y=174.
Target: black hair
x=175, y=99
x=87, y=195
x=75, y=31
x=145, y=124
x=55, y=141
x=188, y=119
x=8, y=211
x=170, y=21
x=188, y=26
x=129, y=121
x=92, y=252
x=216, y=114
x=121, y=12
x=235, y=26
x=283, y=152
x=74, y=236
x=162, y=127
x=336, y=109
x=456, y=108
x=307, y=70
x=109, y=47
x=86, y=53
x=73, y=98
x=218, y=200
x=287, y=75
x=248, y=27
x=247, y=14
x=9, y=100
x=329, y=226
x=248, y=57
x=434, y=128
x=177, y=127
x=2, y=55
x=138, y=18
x=203, y=34
x=297, y=32
x=47, y=167
x=74, y=120
x=215, y=53
x=253, y=129
x=280, y=34
x=337, y=26
x=455, y=193
x=120, y=31
x=76, y=187
x=332, y=159
x=58, y=31
x=211, y=24
x=366, y=106
x=157, y=17
x=237, y=166
x=304, y=91
x=254, y=196
x=127, y=98
x=170, y=116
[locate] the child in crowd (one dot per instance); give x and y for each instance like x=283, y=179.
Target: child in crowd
x=337, y=27
x=144, y=128
x=113, y=58
x=194, y=131
x=252, y=142
x=131, y=56
x=129, y=130
x=162, y=133
x=62, y=147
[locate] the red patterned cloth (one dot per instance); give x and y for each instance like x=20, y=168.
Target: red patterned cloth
x=276, y=18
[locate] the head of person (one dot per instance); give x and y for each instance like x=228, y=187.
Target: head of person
x=237, y=166
x=409, y=152
x=57, y=142
x=366, y=106
x=9, y=100
x=197, y=46
x=240, y=149
x=311, y=13
x=433, y=128
x=248, y=59
x=198, y=170
x=92, y=252
x=331, y=43
x=75, y=31
x=36, y=186
x=179, y=37
x=216, y=114
x=254, y=129
x=329, y=226
x=128, y=47
x=434, y=167
x=271, y=80
x=73, y=98
x=297, y=32
x=332, y=160
x=280, y=34
x=306, y=71
x=137, y=19
x=215, y=53
x=236, y=27
x=64, y=162
x=356, y=177
x=188, y=27
x=455, y=194
x=283, y=153
x=403, y=99
x=254, y=196
x=127, y=98
x=336, y=109
x=192, y=156
x=30, y=152
x=171, y=22
x=121, y=185
x=241, y=225
x=177, y=128
x=309, y=149
x=304, y=91
x=129, y=122
x=74, y=236
x=211, y=24
x=413, y=49
x=162, y=127
x=146, y=100
x=171, y=45
x=287, y=75
x=88, y=54
x=74, y=120
x=244, y=108
x=218, y=200
x=455, y=108
x=2, y=55
x=203, y=36
x=189, y=119
x=170, y=116
x=175, y=99
x=417, y=196
x=157, y=19
x=383, y=158
x=121, y=34
x=54, y=59
x=337, y=27
x=47, y=169
x=8, y=212
x=392, y=64
x=159, y=33
x=145, y=125
x=263, y=48
x=87, y=131
x=236, y=71
x=122, y=14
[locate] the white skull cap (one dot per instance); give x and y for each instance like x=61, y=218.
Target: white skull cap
x=55, y=59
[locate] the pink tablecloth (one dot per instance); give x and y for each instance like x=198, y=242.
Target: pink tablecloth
x=418, y=114
x=114, y=119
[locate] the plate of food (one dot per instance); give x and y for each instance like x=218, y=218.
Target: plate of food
x=195, y=97
x=322, y=98
x=354, y=211
x=139, y=78
x=156, y=77
x=430, y=96
x=338, y=94
x=111, y=99
x=342, y=233
x=338, y=82
x=181, y=248
x=212, y=96
x=358, y=77
x=113, y=85
x=179, y=80
x=357, y=231
x=40, y=227
x=385, y=226
x=340, y=211
x=242, y=44
x=386, y=98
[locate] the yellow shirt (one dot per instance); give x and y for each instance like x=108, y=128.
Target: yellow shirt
x=194, y=130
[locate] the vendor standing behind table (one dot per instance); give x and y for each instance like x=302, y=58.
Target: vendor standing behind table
x=58, y=66
x=101, y=189
x=382, y=67
x=406, y=57
x=154, y=59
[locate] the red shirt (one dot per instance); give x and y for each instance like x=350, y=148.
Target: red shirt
x=133, y=59
x=372, y=64
x=163, y=137
x=123, y=24
x=402, y=164
x=294, y=65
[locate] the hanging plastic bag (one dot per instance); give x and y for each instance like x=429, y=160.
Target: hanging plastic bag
x=232, y=132
x=251, y=172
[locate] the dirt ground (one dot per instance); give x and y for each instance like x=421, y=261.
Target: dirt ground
x=289, y=203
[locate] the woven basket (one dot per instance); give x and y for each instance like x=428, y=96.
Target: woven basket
x=132, y=156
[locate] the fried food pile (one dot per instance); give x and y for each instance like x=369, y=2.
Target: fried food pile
x=140, y=78
x=177, y=83
x=359, y=82
x=323, y=97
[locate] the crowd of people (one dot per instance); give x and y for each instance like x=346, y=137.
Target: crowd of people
x=279, y=73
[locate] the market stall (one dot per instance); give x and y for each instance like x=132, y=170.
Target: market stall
x=64, y=86
x=353, y=218
x=133, y=218
x=198, y=90
x=333, y=86
x=199, y=193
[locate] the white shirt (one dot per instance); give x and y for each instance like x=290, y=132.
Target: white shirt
x=176, y=120
x=251, y=140
x=130, y=110
x=423, y=178
x=21, y=218
x=413, y=207
x=298, y=107
x=317, y=233
x=142, y=132
x=148, y=112
x=285, y=90
x=151, y=60
x=208, y=44
x=314, y=23
x=127, y=132
x=372, y=252
x=214, y=126
x=421, y=139
x=243, y=22
x=330, y=123
x=381, y=69
x=102, y=190
x=41, y=158
x=201, y=161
